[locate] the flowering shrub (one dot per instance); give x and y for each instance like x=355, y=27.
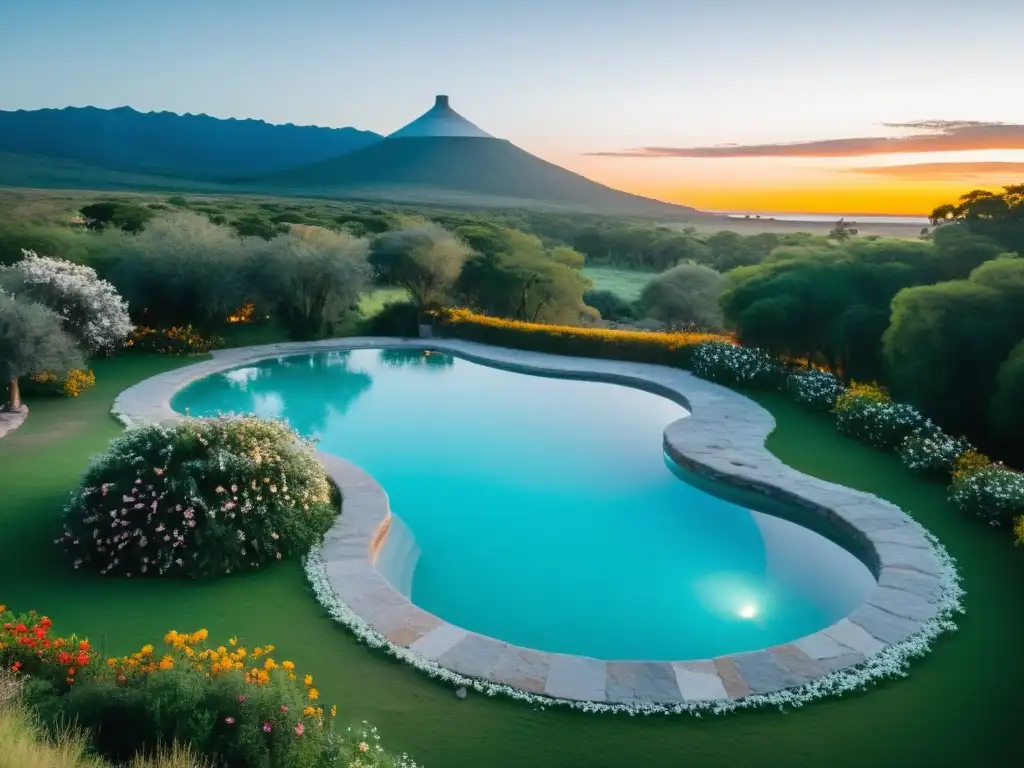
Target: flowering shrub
x=970, y=461
x=172, y=341
x=994, y=494
x=727, y=363
x=201, y=498
x=72, y=384
x=645, y=347
x=929, y=450
x=815, y=389
x=235, y=704
x=91, y=309
x=27, y=647
x=867, y=413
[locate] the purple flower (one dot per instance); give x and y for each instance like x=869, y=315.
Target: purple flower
x=267, y=727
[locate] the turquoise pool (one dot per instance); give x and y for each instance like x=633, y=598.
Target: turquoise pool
x=543, y=511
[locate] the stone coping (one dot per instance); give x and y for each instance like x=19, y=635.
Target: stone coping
x=723, y=439
x=11, y=420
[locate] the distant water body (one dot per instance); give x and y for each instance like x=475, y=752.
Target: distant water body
x=833, y=217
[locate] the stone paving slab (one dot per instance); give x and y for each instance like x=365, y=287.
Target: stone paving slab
x=722, y=438
x=11, y=420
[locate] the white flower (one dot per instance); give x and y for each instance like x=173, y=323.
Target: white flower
x=92, y=310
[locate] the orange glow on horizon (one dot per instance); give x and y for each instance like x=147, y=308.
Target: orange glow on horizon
x=916, y=186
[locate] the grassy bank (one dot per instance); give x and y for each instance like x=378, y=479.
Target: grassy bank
x=958, y=707
x=625, y=283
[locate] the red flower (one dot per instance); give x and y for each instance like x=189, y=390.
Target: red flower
x=84, y=645
x=20, y=628
x=16, y=666
x=82, y=659
x=63, y=657
x=71, y=671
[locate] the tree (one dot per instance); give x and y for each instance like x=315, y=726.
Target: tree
x=425, y=259
x=568, y=256
x=311, y=278
x=1006, y=411
x=842, y=231
x=32, y=341
x=958, y=251
x=944, y=348
x=123, y=214
x=828, y=305
x=183, y=270
x=998, y=216
x=684, y=296
x=91, y=310
x=528, y=287
x=611, y=306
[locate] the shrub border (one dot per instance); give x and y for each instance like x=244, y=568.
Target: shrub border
x=723, y=439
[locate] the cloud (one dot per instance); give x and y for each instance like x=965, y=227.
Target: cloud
x=945, y=171
x=930, y=136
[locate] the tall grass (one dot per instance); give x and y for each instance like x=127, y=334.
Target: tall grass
x=25, y=743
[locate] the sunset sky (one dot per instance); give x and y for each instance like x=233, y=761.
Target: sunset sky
x=731, y=105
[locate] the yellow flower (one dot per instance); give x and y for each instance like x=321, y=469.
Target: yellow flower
x=269, y=664
x=233, y=641
x=308, y=679
x=111, y=662
x=314, y=694
x=309, y=711
x=146, y=650
x=288, y=665
x=334, y=710
x=166, y=663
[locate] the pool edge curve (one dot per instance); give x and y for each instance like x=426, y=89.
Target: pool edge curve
x=723, y=438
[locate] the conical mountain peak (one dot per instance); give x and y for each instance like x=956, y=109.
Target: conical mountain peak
x=440, y=120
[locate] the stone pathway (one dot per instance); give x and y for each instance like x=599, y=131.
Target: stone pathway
x=11, y=420
x=723, y=439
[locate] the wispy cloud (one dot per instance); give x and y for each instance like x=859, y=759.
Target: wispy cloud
x=945, y=171
x=929, y=136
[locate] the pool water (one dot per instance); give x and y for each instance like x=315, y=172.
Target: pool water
x=543, y=511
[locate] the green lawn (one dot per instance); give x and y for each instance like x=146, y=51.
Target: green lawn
x=374, y=301
x=958, y=708
x=622, y=282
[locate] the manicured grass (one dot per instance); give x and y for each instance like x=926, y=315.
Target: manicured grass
x=958, y=707
x=622, y=282
x=374, y=301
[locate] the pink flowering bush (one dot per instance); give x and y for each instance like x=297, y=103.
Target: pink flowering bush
x=200, y=498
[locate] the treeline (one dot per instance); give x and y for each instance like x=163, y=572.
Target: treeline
x=940, y=322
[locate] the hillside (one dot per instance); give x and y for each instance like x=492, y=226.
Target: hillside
x=197, y=147
x=456, y=165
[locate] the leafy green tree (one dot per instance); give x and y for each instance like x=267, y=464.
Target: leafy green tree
x=996, y=215
x=425, y=259
x=1006, y=412
x=528, y=287
x=183, y=270
x=944, y=349
x=123, y=214
x=611, y=306
x=685, y=296
x=568, y=256
x=32, y=341
x=842, y=231
x=311, y=279
x=959, y=251
x=822, y=304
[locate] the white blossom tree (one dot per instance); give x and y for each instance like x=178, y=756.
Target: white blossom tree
x=91, y=310
x=32, y=341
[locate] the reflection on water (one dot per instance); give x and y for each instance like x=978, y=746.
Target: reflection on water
x=317, y=374
x=542, y=511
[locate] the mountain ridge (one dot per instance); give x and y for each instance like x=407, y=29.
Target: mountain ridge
x=199, y=147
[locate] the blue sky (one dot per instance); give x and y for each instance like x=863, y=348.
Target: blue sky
x=558, y=78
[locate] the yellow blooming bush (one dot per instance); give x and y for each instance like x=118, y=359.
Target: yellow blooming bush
x=639, y=346
x=72, y=384
x=235, y=704
x=184, y=340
